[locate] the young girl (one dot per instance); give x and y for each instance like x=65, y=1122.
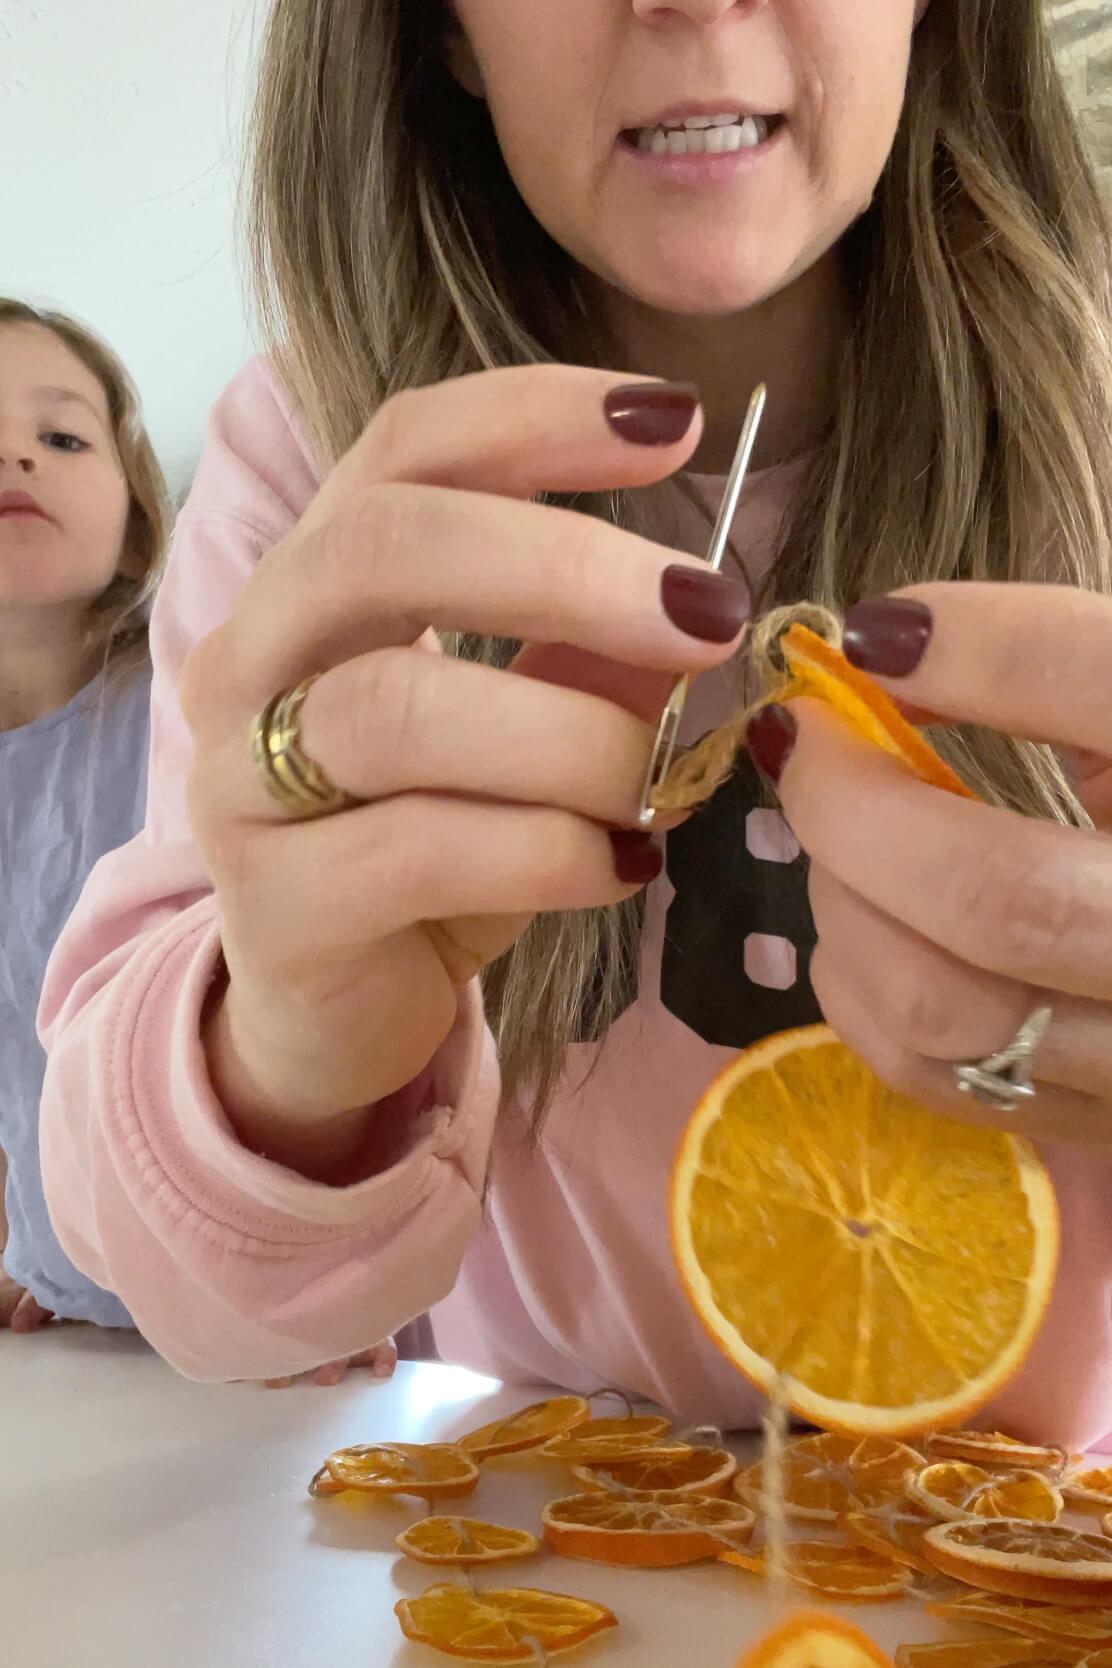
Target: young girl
x=83, y=525
x=273, y=1111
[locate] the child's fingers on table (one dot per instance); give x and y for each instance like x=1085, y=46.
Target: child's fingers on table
x=933, y=1005
x=1026, y=899
x=404, y=558
x=399, y=721
x=1056, y=1114
x=1031, y=660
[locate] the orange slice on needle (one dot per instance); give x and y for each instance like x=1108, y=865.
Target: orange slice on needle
x=978, y=1653
x=432, y=1471
x=881, y=1268
x=1047, y=1561
x=816, y=1641
x=526, y=1429
x=703, y=1471
x=504, y=1625
x=893, y=1531
x=954, y=1490
x=993, y=1448
x=650, y=1532
x=599, y=1440
x=820, y=671
x=825, y=1474
x=464, y=1540
x=1071, y=1626
x=846, y=1573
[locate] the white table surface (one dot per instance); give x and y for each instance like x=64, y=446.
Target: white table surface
x=146, y=1522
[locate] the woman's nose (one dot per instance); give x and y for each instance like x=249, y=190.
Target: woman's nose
x=697, y=11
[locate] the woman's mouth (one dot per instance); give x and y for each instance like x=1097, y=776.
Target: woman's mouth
x=703, y=135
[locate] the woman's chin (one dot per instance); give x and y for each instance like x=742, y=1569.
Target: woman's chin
x=700, y=291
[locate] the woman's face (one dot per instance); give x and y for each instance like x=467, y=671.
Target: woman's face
x=63, y=496
x=601, y=110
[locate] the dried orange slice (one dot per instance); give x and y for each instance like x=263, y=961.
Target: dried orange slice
x=816, y=1641
x=648, y=1532
x=825, y=1474
x=322, y=1483
x=703, y=1471
x=433, y=1471
x=847, y=1573
x=955, y=1490
x=893, y=1531
x=822, y=672
x=464, y=1540
x=1046, y=1561
x=1096, y=1659
x=1089, y=1491
x=505, y=1625
x=884, y=1268
x=977, y=1653
x=1072, y=1626
x=993, y=1448
x=599, y=1440
x=526, y=1429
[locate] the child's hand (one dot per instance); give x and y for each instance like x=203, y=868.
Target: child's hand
x=19, y=1311
x=381, y=1359
x=942, y=922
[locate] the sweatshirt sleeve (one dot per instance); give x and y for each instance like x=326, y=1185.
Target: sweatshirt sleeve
x=232, y=1266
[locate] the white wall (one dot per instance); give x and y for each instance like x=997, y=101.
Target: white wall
x=120, y=131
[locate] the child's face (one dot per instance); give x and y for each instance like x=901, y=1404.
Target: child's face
x=697, y=234
x=56, y=446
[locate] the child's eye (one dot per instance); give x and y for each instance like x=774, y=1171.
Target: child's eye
x=62, y=442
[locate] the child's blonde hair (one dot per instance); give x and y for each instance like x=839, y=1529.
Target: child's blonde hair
x=973, y=438
x=117, y=628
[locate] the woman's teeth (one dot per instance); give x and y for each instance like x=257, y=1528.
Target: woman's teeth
x=704, y=134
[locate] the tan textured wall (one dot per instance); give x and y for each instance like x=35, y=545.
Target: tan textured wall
x=1083, y=31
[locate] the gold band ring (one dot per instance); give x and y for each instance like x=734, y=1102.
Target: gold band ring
x=290, y=776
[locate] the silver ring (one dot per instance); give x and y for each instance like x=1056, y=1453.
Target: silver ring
x=1001, y=1080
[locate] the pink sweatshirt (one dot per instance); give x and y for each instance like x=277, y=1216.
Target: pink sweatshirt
x=234, y=1267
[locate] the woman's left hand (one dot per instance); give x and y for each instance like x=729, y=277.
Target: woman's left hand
x=942, y=922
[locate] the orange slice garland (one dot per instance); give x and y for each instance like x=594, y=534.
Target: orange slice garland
x=823, y=1475
x=955, y=1490
x=505, y=1625
x=815, y=1641
x=886, y=1268
x=850, y=1573
x=648, y=1532
x=1073, y=1626
x=464, y=1540
x=432, y=1471
x=1047, y=1561
x=821, y=672
x=893, y=1531
x=702, y=1471
x=528, y=1429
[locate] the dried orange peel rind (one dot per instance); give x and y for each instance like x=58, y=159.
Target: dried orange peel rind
x=1071, y=1626
x=994, y=1449
x=430, y=1471
x=883, y=1269
x=812, y=1640
x=977, y=1653
x=703, y=1471
x=529, y=1428
x=646, y=1532
x=599, y=1440
x=464, y=1541
x=820, y=672
x=892, y=1531
x=501, y=1625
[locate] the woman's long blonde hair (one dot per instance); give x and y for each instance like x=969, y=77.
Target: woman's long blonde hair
x=116, y=636
x=973, y=439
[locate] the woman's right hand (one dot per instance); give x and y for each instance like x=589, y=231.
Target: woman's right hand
x=489, y=795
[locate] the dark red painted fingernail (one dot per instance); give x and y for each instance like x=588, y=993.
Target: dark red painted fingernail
x=638, y=858
x=704, y=604
x=652, y=413
x=770, y=738
x=887, y=635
